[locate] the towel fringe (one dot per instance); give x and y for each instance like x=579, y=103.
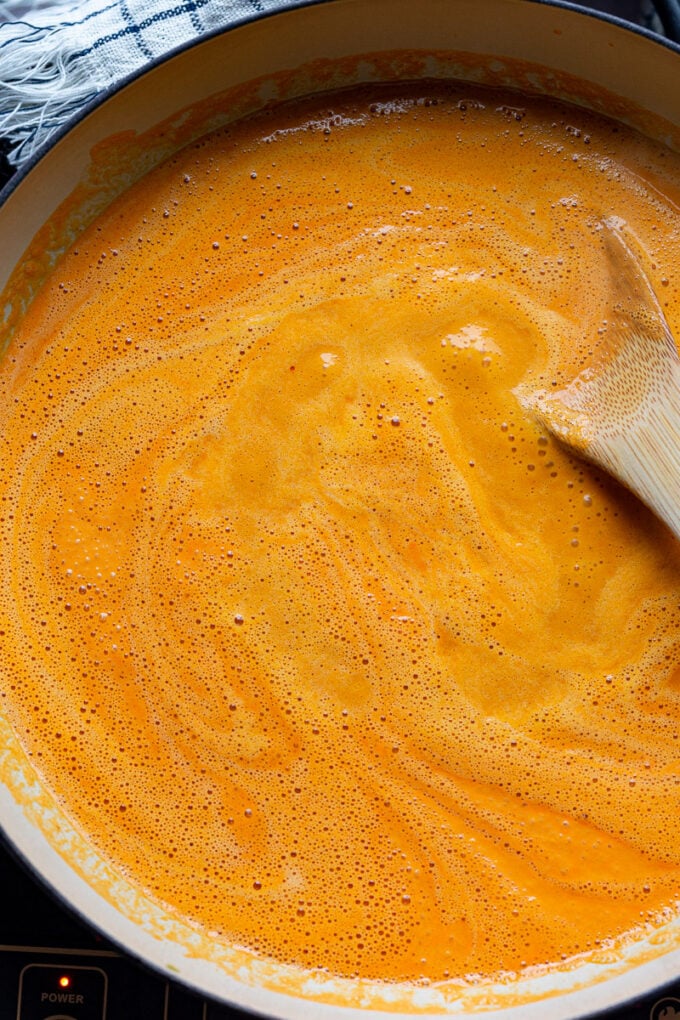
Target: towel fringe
x=58, y=55
x=39, y=99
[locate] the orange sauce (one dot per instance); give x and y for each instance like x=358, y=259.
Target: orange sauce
x=317, y=636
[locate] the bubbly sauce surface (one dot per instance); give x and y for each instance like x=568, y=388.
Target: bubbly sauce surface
x=314, y=632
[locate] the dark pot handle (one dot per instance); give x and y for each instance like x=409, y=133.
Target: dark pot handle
x=668, y=12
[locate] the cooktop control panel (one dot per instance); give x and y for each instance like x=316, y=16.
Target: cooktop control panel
x=41, y=983
x=45, y=983
x=50, y=991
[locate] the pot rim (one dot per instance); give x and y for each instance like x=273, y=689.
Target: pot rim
x=253, y=17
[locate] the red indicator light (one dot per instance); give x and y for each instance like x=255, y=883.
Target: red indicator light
x=64, y=981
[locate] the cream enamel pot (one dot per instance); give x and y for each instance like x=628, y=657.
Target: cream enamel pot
x=553, y=49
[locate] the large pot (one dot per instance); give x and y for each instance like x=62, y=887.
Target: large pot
x=595, y=61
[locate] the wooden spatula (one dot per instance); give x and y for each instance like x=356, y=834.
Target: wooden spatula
x=623, y=411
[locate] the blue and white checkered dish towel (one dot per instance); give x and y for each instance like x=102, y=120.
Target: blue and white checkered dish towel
x=57, y=55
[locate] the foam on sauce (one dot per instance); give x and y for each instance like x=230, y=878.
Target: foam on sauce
x=316, y=635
